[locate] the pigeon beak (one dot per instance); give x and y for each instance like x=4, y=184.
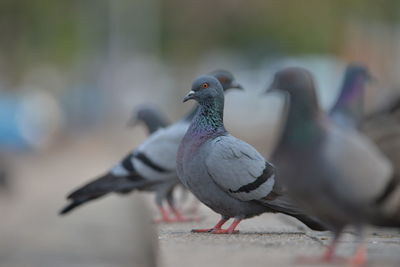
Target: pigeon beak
x=189, y=96
x=236, y=85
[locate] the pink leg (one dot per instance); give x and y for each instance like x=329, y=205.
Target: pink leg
x=229, y=230
x=164, y=216
x=359, y=258
x=327, y=256
x=216, y=227
x=180, y=218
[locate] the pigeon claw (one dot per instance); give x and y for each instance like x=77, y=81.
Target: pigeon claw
x=224, y=231
x=359, y=258
x=216, y=231
x=202, y=230
x=182, y=218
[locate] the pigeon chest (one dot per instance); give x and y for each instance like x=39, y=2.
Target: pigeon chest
x=298, y=169
x=198, y=181
x=191, y=158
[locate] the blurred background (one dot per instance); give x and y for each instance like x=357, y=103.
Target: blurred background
x=71, y=72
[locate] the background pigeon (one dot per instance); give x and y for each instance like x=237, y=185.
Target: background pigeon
x=150, y=116
x=225, y=173
x=382, y=127
x=348, y=109
x=336, y=175
x=150, y=167
x=154, y=119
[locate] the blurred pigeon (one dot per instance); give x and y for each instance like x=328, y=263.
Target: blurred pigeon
x=150, y=167
x=225, y=173
x=153, y=119
x=392, y=109
x=382, y=127
x=151, y=116
x=348, y=110
x=339, y=176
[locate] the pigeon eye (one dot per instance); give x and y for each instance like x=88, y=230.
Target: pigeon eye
x=204, y=85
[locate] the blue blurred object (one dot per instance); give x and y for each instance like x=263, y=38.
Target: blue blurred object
x=10, y=136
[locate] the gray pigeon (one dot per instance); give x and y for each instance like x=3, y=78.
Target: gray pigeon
x=348, y=109
x=381, y=127
x=150, y=116
x=336, y=175
x=154, y=119
x=149, y=167
x=225, y=173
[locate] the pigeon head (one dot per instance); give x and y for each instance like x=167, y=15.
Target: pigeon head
x=355, y=78
x=217, y=78
x=226, y=79
x=301, y=106
x=150, y=116
x=356, y=70
x=298, y=83
x=208, y=119
x=146, y=112
x=205, y=89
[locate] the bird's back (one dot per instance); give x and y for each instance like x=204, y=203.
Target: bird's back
x=162, y=146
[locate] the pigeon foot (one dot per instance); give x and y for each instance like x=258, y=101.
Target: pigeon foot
x=224, y=231
x=181, y=218
x=327, y=257
x=165, y=218
x=202, y=230
x=359, y=258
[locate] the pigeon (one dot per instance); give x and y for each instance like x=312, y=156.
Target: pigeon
x=348, y=109
x=381, y=127
x=336, y=175
x=223, y=172
x=150, y=167
x=150, y=116
x=153, y=119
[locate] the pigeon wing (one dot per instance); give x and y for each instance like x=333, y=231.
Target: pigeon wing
x=239, y=169
x=364, y=171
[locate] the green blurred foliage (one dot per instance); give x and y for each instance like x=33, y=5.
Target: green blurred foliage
x=265, y=27
x=61, y=31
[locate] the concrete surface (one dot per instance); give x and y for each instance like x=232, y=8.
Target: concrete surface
x=105, y=233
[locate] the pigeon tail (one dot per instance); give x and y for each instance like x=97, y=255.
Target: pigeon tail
x=102, y=186
x=387, y=203
x=310, y=222
x=72, y=206
x=282, y=204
